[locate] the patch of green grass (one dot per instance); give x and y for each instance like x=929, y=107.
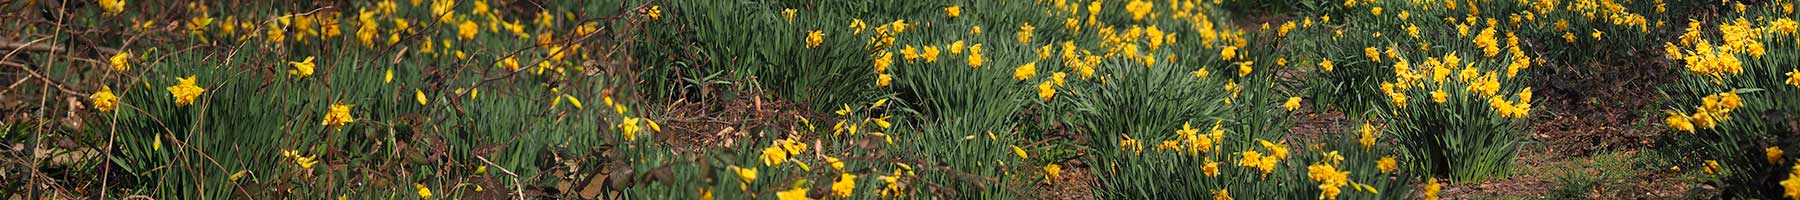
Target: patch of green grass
x=1604, y=174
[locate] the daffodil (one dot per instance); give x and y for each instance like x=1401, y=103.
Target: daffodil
x=238, y=176
x=883, y=80
x=1138, y=9
x=629, y=129
x=746, y=175
x=1292, y=103
x=930, y=54
x=814, y=38
x=835, y=163
x=844, y=111
x=509, y=64
x=909, y=53
x=892, y=183
x=121, y=62
x=1130, y=145
x=858, y=25
x=788, y=14
x=112, y=7
x=899, y=26
x=186, y=92
x=1228, y=53
x=1487, y=42
x=104, y=100
x=577, y=103
x=1217, y=134
x=975, y=58
x=1432, y=188
x=1368, y=136
x=276, y=33
x=467, y=30
x=1398, y=99
x=797, y=193
x=1326, y=65
x=1387, y=164
x=1255, y=160
x=955, y=48
x=1195, y=144
x=1711, y=167
x=1024, y=33
x=953, y=11
x=1046, y=91
x=1678, y=121
x=1025, y=71
x=1372, y=53
x=803, y=166
x=388, y=76
x=878, y=104
x=1052, y=171
x=337, y=115
x=655, y=12
x=367, y=30
x=883, y=122
x=401, y=25
x=424, y=192
x=305, y=162
x=1020, y=152
x=1278, y=150
x=1773, y=153
x=1793, y=77
x=302, y=69
x=1439, y=96
x=1285, y=27
x=1210, y=169
x=844, y=186
x=1244, y=68
x=1330, y=179
x=1703, y=119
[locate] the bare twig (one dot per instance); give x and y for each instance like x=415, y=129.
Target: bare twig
x=29, y=47
x=47, y=81
x=518, y=189
x=38, y=139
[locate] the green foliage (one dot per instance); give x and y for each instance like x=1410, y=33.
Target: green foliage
x=235, y=140
x=560, y=99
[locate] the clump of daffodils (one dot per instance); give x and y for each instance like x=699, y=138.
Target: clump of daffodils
x=1713, y=110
